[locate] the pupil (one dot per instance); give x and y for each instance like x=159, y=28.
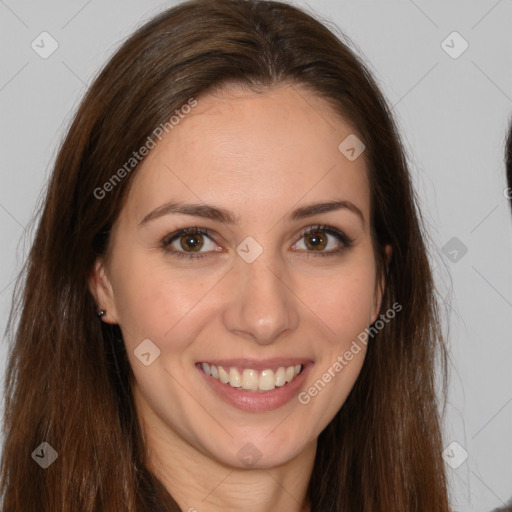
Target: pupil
x=316, y=239
x=192, y=242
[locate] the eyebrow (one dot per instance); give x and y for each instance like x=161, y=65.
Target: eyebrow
x=225, y=216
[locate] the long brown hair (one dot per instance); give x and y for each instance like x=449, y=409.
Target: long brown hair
x=68, y=380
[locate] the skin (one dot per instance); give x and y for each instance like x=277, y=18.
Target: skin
x=260, y=156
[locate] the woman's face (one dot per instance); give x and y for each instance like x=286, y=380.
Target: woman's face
x=249, y=291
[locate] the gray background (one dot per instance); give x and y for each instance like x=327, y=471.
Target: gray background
x=453, y=114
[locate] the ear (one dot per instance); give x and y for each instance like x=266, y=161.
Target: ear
x=381, y=284
x=102, y=291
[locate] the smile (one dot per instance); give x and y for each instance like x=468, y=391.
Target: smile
x=254, y=385
x=250, y=379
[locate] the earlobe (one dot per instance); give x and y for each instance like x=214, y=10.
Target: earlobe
x=103, y=293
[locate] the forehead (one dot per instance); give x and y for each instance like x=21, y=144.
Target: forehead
x=248, y=150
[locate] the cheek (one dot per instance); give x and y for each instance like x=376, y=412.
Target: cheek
x=345, y=302
x=153, y=302
x=142, y=299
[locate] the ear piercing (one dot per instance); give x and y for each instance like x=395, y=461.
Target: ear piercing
x=101, y=313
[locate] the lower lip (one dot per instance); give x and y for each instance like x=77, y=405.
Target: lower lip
x=257, y=402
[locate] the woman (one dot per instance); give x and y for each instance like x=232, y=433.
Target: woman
x=232, y=201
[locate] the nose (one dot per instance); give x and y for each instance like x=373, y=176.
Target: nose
x=262, y=305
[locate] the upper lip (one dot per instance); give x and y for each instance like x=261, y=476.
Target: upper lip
x=258, y=364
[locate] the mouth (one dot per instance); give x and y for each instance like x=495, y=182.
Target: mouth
x=251, y=379
x=253, y=385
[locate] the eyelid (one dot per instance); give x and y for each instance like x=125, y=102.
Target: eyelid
x=183, y=231
x=338, y=233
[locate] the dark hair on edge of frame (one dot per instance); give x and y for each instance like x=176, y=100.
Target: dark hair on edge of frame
x=508, y=162
x=68, y=380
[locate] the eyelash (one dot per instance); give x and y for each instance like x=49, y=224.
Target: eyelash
x=346, y=241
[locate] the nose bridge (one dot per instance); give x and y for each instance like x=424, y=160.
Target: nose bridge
x=261, y=306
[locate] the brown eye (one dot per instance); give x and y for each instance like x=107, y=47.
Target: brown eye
x=191, y=242
x=323, y=240
x=316, y=240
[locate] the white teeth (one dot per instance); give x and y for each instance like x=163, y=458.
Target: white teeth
x=250, y=379
x=235, y=380
x=223, y=376
x=253, y=380
x=281, y=376
x=267, y=380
